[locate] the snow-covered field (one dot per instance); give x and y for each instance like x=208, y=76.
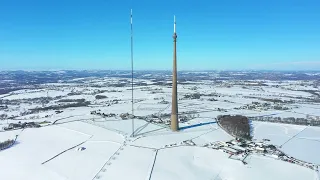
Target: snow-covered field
x=27, y=94
x=301, y=142
x=156, y=153
x=109, y=155
x=198, y=163
x=278, y=134
x=35, y=146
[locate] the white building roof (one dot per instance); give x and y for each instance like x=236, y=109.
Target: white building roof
x=238, y=148
x=230, y=149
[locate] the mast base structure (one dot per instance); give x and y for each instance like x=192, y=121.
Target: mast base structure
x=174, y=122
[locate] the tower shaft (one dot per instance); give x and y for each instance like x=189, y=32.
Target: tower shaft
x=174, y=110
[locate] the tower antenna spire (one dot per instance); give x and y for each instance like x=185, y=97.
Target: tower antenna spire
x=174, y=24
x=132, y=103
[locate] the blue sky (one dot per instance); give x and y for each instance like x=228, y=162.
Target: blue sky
x=212, y=35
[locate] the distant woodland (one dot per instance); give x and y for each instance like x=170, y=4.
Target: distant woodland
x=237, y=125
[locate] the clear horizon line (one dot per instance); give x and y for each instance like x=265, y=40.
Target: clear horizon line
x=201, y=70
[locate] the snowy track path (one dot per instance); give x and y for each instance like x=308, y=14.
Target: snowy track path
x=103, y=168
x=65, y=151
x=293, y=137
x=152, y=167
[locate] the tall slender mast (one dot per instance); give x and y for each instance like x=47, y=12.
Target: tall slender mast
x=174, y=110
x=132, y=75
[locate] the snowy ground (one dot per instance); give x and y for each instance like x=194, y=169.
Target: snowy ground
x=199, y=163
x=301, y=142
x=51, y=152
x=107, y=153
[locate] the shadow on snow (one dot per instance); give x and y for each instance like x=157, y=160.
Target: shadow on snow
x=197, y=125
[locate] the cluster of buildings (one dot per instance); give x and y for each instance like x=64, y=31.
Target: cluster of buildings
x=292, y=160
x=241, y=149
x=164, y=102
x=164, y=118
x=183, y=143
x=20, y=125
x=239, y=146
x=263, y=106
x=98, y=112
x=192, y=96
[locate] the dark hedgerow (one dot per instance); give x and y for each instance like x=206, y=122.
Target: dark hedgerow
x=100, y=97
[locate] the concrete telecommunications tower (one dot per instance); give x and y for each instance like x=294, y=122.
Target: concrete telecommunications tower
x=174, y=110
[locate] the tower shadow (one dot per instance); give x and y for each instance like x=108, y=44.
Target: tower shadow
x=197, y=125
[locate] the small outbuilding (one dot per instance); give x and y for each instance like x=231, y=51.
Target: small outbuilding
x=81, y=149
